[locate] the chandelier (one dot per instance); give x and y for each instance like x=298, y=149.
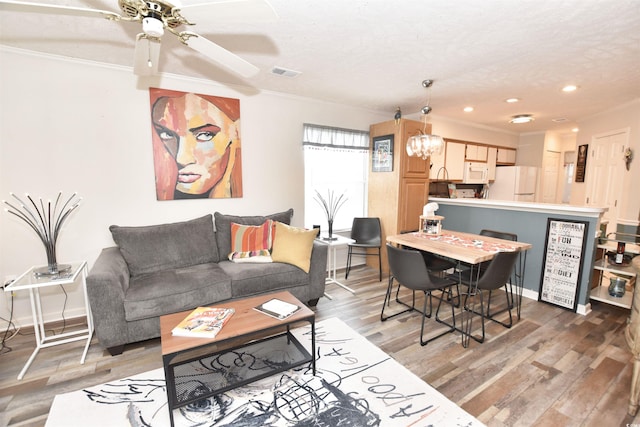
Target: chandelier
x=424, y=145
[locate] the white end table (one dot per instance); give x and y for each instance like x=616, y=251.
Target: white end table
x=28, y=280
x=333, y=244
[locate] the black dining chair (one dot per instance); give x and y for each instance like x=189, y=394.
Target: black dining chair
x=408, y=268
x=508, y=287
x=493, y=277
x=367, y=235
x=435, y=263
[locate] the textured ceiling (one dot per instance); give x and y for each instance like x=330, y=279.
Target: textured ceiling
x=375, y=53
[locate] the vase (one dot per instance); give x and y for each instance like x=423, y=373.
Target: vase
x=617, y=287
x=330, y=234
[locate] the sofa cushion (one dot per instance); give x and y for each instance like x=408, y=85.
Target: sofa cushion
x=251, y=243
x=164, y=292
x=293, y=246
x=153, y=248
x=223, y=226
x=253, y=279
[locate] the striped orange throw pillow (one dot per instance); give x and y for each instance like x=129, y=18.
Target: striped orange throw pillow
x=251, y=243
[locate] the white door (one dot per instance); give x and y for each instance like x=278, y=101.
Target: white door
x=605, y=169
x=550, y=167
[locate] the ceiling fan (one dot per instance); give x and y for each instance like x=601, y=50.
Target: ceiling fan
x=156, y=16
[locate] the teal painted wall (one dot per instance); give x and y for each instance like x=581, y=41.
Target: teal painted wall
x=531, y=227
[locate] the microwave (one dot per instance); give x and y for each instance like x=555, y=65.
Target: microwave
x=475, y=173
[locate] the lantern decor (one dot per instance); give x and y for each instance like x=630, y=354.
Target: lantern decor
x=46, y=220
x=430, y=223
x=330, y=205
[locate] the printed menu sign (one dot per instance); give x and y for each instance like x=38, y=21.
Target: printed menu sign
x=562, y=259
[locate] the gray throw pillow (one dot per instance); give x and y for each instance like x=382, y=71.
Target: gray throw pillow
x=148, y=249
x=223, y=226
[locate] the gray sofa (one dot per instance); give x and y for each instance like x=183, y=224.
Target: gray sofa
x=162, y=269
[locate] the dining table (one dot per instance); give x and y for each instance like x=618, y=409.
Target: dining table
x=470, y=250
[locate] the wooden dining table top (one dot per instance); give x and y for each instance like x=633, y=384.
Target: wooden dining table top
x=466, y=247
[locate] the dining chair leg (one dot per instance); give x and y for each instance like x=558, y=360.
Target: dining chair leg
x=467, y=310
x=346, y=270
x=379, y=265
x=451, y=329
x=509, y=306
x=387, y=301
x=413, y=298
x=453, y=307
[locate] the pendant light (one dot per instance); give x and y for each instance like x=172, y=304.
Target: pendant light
x=423, y=144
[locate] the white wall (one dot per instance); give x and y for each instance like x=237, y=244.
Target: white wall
x=623, y=117
x=68, y=126
x=76, y=126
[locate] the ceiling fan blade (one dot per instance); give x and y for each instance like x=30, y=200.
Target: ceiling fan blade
x=147, y=56
x=219, y=11
x=49, y=9
x=221, y=56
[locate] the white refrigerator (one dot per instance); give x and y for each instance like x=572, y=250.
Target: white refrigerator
x=514, y=183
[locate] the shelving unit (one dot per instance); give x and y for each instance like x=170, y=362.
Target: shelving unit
x=604, y=269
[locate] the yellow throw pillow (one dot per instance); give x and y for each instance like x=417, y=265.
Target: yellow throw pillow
x=293, y=245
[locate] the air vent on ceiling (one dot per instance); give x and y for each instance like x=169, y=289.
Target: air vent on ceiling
x=560, y=120
x=284, y=72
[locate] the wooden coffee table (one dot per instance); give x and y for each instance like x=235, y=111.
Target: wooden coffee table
x=197, y=368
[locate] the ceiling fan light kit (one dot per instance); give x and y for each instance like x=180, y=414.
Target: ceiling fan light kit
x=153, y=27
x=156, y=16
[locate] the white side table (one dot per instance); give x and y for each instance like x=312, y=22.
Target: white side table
x=29, y=281
x=334, y=244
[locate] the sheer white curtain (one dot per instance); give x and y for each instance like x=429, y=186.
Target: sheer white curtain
x=335, y=160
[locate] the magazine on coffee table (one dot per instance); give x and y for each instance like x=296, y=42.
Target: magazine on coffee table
x=203, y=322
x=277, y=308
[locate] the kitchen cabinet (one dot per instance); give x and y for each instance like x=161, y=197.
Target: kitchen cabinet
x=398, y=197
x=437, y=165
x=414, y=195
x=506, y=156
x=455, y=154
x=476, y=153
x=454, y=160
x=604, y=269
x=492, y=153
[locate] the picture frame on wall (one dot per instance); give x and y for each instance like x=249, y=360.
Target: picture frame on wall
x=382, y=158
x=581, y=164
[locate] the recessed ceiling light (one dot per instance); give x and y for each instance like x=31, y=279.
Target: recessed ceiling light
x=468, y=109
x=575, y=130
x=521, y=118
x=569, y=88
x=512, y=100
x=285, y=72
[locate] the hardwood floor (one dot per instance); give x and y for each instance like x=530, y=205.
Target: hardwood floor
x=552, y=368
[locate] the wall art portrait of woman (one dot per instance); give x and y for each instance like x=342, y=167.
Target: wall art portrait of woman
x=196, y=145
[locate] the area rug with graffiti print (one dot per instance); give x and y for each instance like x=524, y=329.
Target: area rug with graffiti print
x=356, y=384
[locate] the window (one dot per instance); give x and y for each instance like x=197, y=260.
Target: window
x=335, y=160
